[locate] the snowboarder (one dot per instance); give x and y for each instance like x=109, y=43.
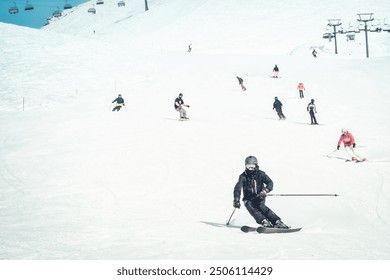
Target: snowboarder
x=301, y=88
x=241, y=83
x=179, y=104
x=255, y=185
x=278, y=106
x=314, y=53
x=311, y=108
x=349, y=144
x=189, y=48
x=119, y=103
x=275, y=72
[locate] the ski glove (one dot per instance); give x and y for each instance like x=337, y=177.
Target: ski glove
x=236, y=204
x=338, y=147
x=264, y=192
x=353, y=145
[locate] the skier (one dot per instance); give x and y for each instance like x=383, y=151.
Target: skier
x=278, y=106
x=276, y=72
x=301, y=88
x=241, y=83
x=311, y=108
x=255, y=185
x=349, y=144
x=189, y=48
x=314, y=53
x=179, y=104
x=119, y=103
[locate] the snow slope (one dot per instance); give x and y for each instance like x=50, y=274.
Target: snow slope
x=81, y=182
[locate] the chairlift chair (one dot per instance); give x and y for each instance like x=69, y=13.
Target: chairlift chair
x=92, y=10
x=28, y=7
x=385, y=26
x=14, y=9
x=327, y=36
x=57, y=13
x=99, y=2
x=350, y=37
x=121, y=3
x=67, y=6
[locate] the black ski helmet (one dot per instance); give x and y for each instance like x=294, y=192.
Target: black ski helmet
x=251, y=160
x=312, y=101
x=276, y=98
x=180, y=95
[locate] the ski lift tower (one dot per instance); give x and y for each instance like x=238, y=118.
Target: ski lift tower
x=366, y=17
x=146, y=5
x=334, y=23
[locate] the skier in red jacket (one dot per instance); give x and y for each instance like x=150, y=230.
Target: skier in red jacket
x=349, y=144
x=301, y=88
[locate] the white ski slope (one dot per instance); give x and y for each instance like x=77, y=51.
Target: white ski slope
x=81, y=182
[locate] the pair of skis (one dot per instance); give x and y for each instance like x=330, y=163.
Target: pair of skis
x=261, y=229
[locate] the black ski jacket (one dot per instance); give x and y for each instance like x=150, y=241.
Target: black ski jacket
x=252, y=183
x=179, y=101
x=119, y=100
x=278, y=105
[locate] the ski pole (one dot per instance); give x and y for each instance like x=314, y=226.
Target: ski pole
x=302, y=194
x=228, y=222
x=331, y=153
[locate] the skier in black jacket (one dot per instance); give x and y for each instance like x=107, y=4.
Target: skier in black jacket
x=278, y=106
x=241, y=83
x=179, y=104
x=275, y=72
x=255, y=185
x=311, y=108
x=119, y=103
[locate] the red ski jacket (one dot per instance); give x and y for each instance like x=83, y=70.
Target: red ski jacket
x=347, y=139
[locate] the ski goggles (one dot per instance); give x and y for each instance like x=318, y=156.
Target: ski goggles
x=250, y=166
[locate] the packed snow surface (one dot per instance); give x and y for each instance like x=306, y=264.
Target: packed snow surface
x=78, y=181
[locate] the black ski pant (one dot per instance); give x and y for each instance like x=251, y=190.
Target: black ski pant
x=280, y=114
x=117, y=108
x=301, y=94
x=312, y=117
x=260, y=211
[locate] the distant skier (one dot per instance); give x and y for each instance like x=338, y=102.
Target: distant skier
x=314, y=53
x=278, y=107
x=301, y=88
x=275, y=72
x=189, y=48
x=241, y=83
x=255, y=185
x=179, y=104
x=311, y=108
x=349, y=144
x=119, y=103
